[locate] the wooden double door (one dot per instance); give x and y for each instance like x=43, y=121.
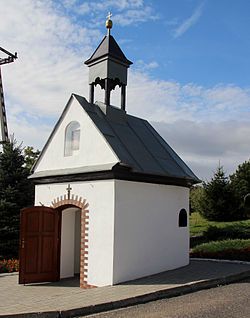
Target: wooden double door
x=39, y=245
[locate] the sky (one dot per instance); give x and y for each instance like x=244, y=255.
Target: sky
x=190, y=75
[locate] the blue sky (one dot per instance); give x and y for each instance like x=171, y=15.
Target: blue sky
x=190, y=76
x=205, y=42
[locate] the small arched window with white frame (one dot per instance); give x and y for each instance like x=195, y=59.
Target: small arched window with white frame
x=72, y=138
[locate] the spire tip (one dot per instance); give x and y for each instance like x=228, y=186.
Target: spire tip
x=109, y=22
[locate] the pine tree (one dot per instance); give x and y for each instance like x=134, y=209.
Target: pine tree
x=16, y=192
x=218, y=199
x=240, y=183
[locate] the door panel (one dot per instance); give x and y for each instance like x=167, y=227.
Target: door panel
x=31, y=248
x=39, y=245
x=47, y=253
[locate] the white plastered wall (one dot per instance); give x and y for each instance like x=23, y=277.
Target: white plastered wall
x=69, y=247
x=77, y=244
x=93, y=151
x=100, y=196
x=147, y=239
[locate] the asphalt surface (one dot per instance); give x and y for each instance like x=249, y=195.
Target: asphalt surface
x=228, y=301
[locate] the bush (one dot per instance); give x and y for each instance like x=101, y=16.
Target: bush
x=219, y=246
x=227, y=249
x=9, y=266
x=239, y=231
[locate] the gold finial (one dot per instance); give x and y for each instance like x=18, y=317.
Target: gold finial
x=109, y=22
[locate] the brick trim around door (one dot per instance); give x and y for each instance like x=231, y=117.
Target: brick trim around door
x=79, y=202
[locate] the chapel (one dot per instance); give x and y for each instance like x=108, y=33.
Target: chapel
x=111, y=196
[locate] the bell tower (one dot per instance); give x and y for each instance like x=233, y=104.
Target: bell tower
x=108, y=67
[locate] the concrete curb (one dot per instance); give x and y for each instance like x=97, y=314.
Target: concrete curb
x=165, y=293
x=8, y=274
x=219, y=260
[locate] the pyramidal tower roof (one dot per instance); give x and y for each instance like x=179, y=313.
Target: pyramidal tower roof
x=108, y=48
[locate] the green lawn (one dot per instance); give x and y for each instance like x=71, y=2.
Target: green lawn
x=220, y=240
x=198, y=224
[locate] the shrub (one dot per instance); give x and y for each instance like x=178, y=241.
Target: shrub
x=217, y=246
x=227, y=249
x=230, y=254
x=9, y=266
x=234, y=231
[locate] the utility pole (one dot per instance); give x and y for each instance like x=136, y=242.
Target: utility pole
x=3, y=119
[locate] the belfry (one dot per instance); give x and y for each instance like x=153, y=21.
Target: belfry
x=108, y=67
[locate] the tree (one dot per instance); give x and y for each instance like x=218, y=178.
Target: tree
x=218, y=202
x=16, y=192
x=196, y=198
x=30, y=156
x=240, y=184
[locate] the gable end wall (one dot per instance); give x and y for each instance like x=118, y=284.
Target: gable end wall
x=94, y=149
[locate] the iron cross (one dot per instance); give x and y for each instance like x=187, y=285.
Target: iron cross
x=68, y=190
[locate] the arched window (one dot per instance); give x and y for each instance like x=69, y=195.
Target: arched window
x=72, y=138
x=183, y=218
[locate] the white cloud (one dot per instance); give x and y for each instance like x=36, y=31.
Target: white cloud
x=51, y=52
x=135, y=16
x=145, y=66
x=125, y=12
x=188, y=23
x=69, y=3
x=205, y=144
x=117, y=5
x=169, y=101
x=84, y=8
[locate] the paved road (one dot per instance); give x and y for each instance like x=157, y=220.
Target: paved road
x=226, y=301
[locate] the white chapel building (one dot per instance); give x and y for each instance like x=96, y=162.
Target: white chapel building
x=111, y=196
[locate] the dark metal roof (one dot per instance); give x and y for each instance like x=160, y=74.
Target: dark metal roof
x=136, y=143
x=108, y=48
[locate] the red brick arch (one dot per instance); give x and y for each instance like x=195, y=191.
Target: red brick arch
x=62, y=203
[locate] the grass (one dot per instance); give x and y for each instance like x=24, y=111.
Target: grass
x=220, y=240
x=198, y=224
